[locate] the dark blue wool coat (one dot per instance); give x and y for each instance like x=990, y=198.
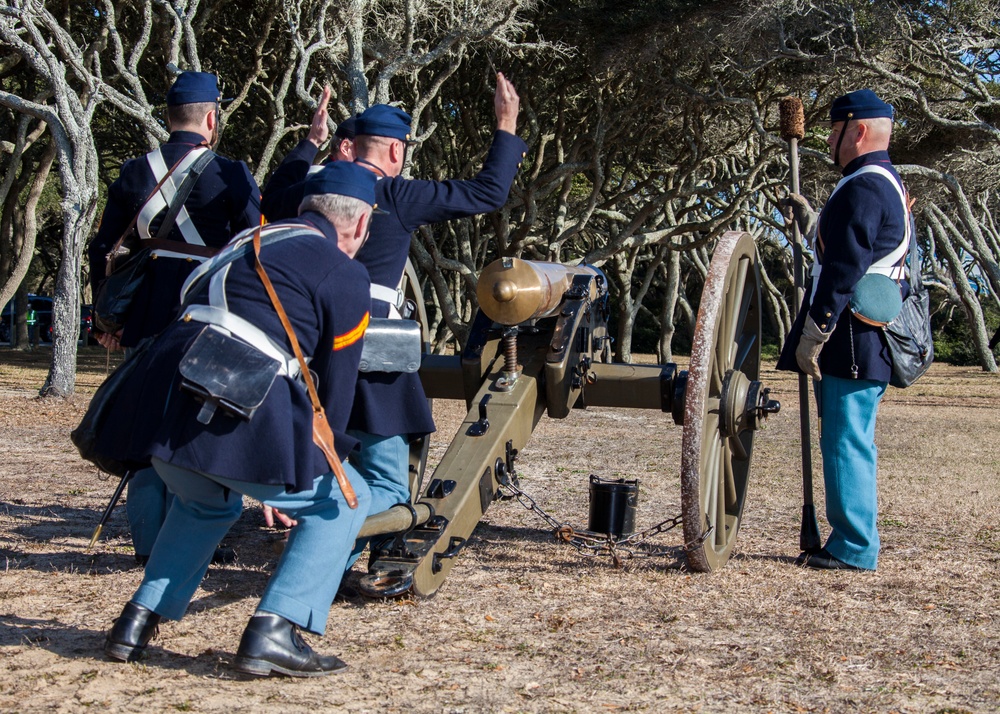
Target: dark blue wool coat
x=861, y=223
x=325, y=295
x=388, y=404
x=224, y=201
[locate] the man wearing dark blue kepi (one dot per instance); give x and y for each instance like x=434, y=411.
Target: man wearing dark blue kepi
x=862, y=229
x=224, y=199
x=232, y=411
x=390, y=408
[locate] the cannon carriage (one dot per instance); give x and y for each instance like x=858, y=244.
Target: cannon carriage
x=539, y=346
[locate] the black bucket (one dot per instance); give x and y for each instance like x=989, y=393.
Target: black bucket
x=612, y=506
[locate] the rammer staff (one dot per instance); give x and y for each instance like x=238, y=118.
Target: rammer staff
x=792, y=130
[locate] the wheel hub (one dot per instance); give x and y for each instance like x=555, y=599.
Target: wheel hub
x=744, y=404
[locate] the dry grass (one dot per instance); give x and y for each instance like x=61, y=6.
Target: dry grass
x=526, y=624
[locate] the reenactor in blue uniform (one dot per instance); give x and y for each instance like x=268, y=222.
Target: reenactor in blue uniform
x=861, y=229
x=390, y=409
x=283, y=191
x=271, y=454
x=224, y=201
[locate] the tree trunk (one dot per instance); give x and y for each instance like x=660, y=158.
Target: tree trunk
x=79, y=217
x=61, y=379
x=19, y=328
x=665, y=352
x=973, y=310
x=626, y=323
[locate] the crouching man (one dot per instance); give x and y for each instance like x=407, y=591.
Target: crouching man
x=227, y=428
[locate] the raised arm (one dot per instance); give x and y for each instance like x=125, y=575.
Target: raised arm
x=506, y=103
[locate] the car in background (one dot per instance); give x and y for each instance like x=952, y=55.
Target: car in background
x=42, y=306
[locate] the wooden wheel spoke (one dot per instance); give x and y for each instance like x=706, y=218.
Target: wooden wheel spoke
x=710, y=481
x=718, y=375
x=722, y=346
x=730, y=476
x=736, y=446
x=736, y=320
x=746, y=302
x=721, y=495
x=719, y=354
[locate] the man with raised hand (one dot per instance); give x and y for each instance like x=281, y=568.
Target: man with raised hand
x=283, y=190
x=390, y=408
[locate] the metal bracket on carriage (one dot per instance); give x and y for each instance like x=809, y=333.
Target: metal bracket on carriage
x=390, y=574
x=504, y=469
x=454, y=548
x=482, y=426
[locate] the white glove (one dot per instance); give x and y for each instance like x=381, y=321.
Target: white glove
x=810, y=345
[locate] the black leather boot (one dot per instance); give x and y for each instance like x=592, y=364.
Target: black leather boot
x=131, y=632
x=273, y=644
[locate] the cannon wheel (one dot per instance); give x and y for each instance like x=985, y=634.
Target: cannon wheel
x=419, y=448
x=715, y=468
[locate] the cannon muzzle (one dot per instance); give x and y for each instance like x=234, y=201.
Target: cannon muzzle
x=512, y=290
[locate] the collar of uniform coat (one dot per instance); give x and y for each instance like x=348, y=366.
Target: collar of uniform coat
x=187, y=137
x=872, y=157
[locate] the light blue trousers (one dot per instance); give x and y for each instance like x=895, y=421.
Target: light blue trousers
x=308, y=574
x=848, y=408
x=384, y=464
x=146, y=505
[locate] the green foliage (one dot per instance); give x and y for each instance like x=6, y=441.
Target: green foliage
x=953, y=341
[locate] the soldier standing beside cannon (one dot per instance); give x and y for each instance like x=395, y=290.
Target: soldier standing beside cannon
x=390, y=408
x=861, y=229
x=223, y=201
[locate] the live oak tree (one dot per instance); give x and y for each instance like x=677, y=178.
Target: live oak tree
x=652, y=127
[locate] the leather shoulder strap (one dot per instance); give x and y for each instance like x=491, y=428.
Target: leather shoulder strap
x=322, y=433
x=116, y=250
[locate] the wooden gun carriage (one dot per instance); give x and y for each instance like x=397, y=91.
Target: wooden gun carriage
x=539, y=345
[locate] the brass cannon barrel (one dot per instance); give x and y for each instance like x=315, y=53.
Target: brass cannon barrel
x=512, y=290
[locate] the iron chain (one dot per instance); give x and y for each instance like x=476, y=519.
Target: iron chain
x=586, y=542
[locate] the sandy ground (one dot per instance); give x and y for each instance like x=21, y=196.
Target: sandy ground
x=526, y=624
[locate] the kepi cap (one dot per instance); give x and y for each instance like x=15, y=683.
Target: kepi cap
x=194, y=88
x=384, y=120
x=346, y=129
x=862, y=104
x=343, y=178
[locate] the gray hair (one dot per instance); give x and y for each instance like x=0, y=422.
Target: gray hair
x=336, y=207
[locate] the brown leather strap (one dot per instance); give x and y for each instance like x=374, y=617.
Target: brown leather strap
x=110, y=257
x=322, y=433
x=177, y=246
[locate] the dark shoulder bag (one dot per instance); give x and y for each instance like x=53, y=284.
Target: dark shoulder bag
x=911, y=344
x=84, y=436
x=129, y=259
x=103, y=404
